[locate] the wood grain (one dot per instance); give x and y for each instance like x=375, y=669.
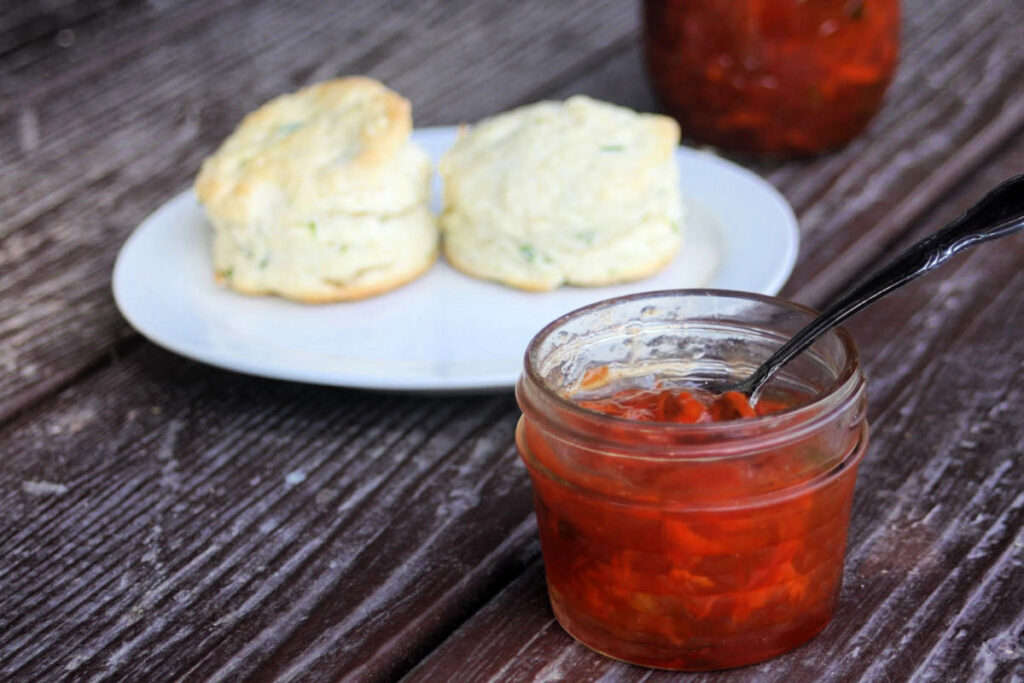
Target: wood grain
x=161, y=519
x=940, y=121
x=934, y=578
x=244, y=525
x=66, y=224
x=45, y=22
x=61, y=222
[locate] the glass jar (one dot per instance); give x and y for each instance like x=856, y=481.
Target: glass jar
x=690, y=546
x=771, y=77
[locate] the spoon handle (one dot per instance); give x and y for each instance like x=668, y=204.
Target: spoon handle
x=998, y=214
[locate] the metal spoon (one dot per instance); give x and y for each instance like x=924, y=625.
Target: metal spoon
x=998, y=214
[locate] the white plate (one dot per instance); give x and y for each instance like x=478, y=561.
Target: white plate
x=445, y=331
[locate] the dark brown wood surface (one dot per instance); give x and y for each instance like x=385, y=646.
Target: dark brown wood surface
x=161, y=519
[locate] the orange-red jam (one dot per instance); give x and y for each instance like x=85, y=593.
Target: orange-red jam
x=682, y=406
x=777, y=77
x=738, y=577
x=680, y=529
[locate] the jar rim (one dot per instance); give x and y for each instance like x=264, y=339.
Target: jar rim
x=848, y=373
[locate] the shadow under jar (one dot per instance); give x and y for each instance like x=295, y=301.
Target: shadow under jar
x=771, y=77
x=690, y=546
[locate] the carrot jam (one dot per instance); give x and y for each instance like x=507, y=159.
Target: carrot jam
x=683, y=406
x=775, y=77
x=692, y=563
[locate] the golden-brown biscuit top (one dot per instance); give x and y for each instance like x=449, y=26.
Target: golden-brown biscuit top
x=337, y=142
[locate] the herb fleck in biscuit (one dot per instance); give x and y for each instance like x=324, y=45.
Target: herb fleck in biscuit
x=320, y=196
x=580, y=192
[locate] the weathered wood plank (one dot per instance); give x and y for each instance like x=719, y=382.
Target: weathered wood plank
x=24, y=23
x=58, y=223
x=160, y=519
x=940, y=121
x=62, y=220
x=935, y=564
x=220, y=526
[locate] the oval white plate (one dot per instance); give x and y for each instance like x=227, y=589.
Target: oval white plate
x=445, y=331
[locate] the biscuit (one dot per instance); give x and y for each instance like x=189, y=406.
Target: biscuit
x=337, y=258
x=319, y=195
x=581, y=192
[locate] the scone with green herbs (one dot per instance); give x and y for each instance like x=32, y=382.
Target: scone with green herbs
x=581, y=193
x=320, y=196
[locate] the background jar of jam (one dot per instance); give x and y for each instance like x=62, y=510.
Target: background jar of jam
x=690, y=545
x=771, y=77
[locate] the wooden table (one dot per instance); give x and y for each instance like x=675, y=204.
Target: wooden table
x=153, y=524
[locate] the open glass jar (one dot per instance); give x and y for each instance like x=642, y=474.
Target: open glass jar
x=691, y=546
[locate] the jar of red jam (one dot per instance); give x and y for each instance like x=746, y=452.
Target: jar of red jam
x=771, y=77
x=684, y=544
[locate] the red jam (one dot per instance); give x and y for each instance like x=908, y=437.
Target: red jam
x=775, y=77
x=684, y=406
x=705, y=564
